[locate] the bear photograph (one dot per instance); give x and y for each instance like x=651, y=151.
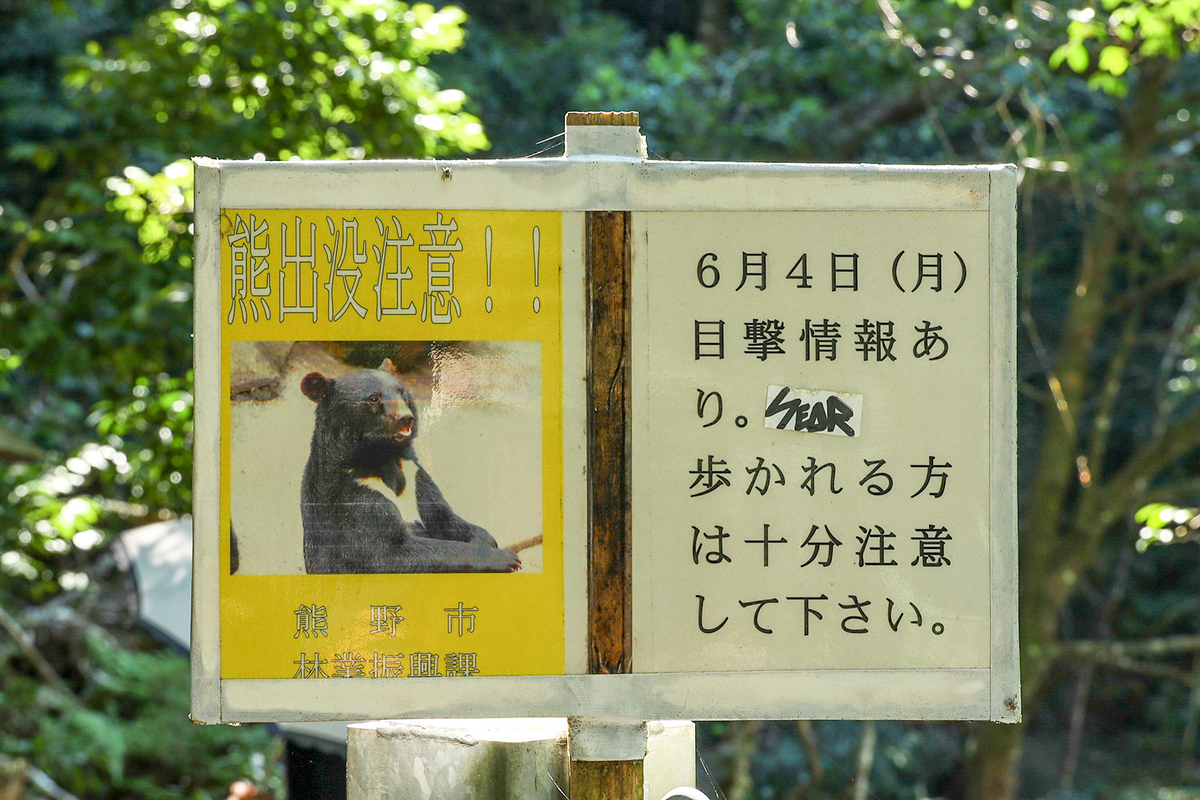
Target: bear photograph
x=385, y=457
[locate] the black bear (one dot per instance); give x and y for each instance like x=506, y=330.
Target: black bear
x=367, y=505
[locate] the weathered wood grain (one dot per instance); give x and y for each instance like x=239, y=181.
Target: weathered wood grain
x=607, y=780
x=610, y=623
x=602, y=118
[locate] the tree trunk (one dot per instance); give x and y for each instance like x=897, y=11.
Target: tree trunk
x=744, y=738
x=992, y=763
x=712, y=30
x=1064, y=518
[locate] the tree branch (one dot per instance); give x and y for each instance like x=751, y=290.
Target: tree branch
x=16, y=268
x=1083, y=685
x=1124, y=655
x=861, y=788
x=1160, y=452
x=1188, y=271
x=812, y=751
x=853, y=126
x=1152, y=670
x=1164, y=402
x=1035, y=394
x=1105, y=650
x=1109, y=390
x=32, y=654
x=1179, y=493
x=47, y=785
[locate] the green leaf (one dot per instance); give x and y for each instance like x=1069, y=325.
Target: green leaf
x=1109, y=84
x=1114, y=60
x=1077, y=57
x=1149, y=514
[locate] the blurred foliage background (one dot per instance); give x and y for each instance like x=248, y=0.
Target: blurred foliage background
x=1097, y=101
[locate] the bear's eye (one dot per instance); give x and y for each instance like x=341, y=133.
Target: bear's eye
x=375, y=398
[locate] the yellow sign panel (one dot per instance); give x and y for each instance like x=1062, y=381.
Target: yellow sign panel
x=391, y=444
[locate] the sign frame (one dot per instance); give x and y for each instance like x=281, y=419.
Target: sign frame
x=574, y=186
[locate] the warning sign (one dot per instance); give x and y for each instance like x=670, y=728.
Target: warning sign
x=797, y=381
x=390, y=447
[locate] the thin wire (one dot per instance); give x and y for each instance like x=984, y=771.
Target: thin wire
x=553, y=144
x=551, y=137
x=711, y=780
x=543, y=150
x=556, y=786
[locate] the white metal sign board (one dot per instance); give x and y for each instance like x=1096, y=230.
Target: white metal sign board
x=391, y=474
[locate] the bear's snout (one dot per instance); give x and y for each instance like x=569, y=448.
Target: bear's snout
x=401, y=420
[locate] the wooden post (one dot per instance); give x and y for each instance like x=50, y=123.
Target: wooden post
x=610, y=606
x=607, y=255
x=606, y=780
x=607, y=758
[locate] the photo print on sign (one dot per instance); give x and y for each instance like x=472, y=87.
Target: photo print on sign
x=385, y=457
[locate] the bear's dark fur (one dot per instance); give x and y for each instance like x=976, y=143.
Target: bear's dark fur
x=356, y=488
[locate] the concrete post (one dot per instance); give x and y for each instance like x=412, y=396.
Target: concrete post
x=509, y=759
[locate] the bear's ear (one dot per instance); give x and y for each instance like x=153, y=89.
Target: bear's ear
x=388, y=366
x=315, y=386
